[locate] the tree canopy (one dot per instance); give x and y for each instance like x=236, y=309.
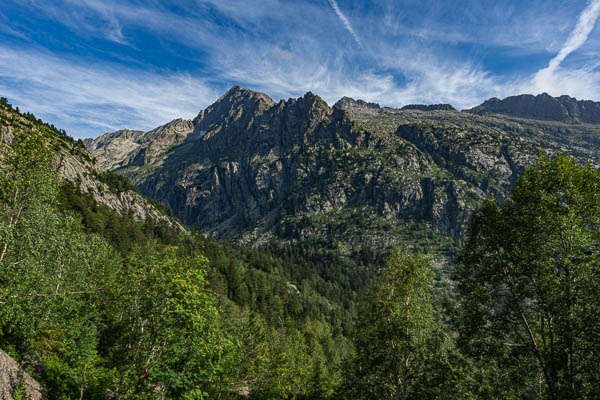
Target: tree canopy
x=529, y=283
x=402, y=351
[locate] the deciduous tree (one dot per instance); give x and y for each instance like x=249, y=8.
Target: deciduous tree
x=529, y=281
x=401, y=350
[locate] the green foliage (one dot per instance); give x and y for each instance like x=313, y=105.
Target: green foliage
x=122, y=231
x=401, y=347
x=18, y=394
x=27, y=189
x=115, y=182
x=167, y=314
x=65, y=293
x=52, y=272
x=57, y=139
x=528, y=283
x=102, y=304
x=289, y=360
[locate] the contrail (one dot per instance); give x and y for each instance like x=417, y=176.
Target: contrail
x=585, y=24
x=336, y=8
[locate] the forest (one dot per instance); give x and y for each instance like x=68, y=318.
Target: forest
x=95, y=305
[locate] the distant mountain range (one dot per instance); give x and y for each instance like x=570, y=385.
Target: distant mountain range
x=543, y=107
x=253, y=170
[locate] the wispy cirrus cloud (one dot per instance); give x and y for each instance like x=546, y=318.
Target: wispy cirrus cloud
x=426, y=77
x=345, y=21
x=584, y=80
x=93, y=98
x=585, y=25
x=126, y=63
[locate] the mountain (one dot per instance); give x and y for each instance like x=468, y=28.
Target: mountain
x=351, y=176
x=96, y=275
x=129, y=147
x=543, y=107
x=346, y=103
x=429, y=107
x=75, y=165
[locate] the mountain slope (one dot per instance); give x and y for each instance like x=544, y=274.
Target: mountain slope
x=126, y=147
x=350, y=176
x=75, y=164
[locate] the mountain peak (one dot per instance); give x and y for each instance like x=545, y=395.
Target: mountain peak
x=346, y=103
x=314, y=105
x=311, y=98
x=237, y=93
x=237, y=105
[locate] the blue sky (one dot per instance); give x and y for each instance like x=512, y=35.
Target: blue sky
x=92, y=66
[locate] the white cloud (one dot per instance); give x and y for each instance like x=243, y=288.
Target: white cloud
x=88, y=98
x=244, y=10
x=307, y=63
x=274, y=50
x=582, y=30
x=581, y=82
x=345, y=21
x=432, y=79
x=428, y=79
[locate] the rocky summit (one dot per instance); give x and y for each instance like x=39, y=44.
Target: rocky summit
x=251, y=169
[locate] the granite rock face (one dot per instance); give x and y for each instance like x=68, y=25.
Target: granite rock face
x=356, y=174
x=13, y=381
x=127, y=147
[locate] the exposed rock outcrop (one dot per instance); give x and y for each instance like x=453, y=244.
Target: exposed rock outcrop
x=348, y=103
x=127, y=147
x=14, y=381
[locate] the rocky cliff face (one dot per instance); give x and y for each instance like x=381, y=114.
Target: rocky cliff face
x=348, y=103
x=352, y=175
x=543, y=107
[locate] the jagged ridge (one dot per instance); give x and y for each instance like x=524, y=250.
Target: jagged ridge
x=355, y=174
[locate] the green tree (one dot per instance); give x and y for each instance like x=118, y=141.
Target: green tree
x=54, y=279
x=165, y=328
x=528, y=280
x=26, y=213
x=28, y=187
x=400, y=346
